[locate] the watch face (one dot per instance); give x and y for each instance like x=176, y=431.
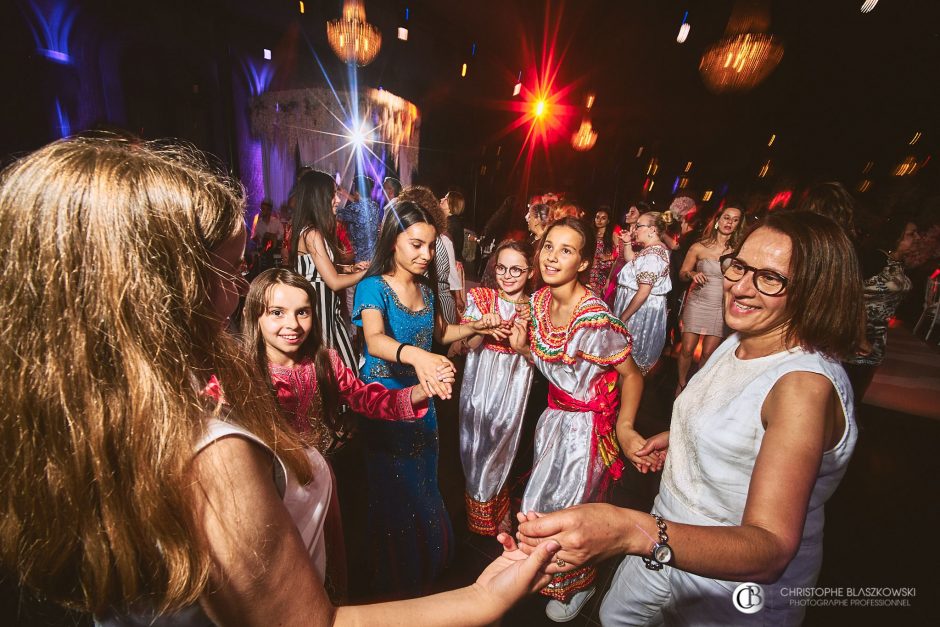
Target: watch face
x=662, y=553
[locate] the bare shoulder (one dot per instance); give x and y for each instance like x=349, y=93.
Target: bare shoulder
x=310, y=240
x=805, y=401
x=233, y=468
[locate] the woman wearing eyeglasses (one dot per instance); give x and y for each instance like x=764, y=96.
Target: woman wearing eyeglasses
x=760, y=439
x=642, y=286
x=495, y=391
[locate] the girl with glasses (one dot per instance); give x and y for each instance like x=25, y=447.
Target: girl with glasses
x=642, y=287
x=495, y=391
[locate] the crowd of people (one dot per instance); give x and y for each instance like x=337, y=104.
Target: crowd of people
x=176, y=436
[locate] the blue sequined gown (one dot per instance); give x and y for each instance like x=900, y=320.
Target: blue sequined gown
x=409, y=530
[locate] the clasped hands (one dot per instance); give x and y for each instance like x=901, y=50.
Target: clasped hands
x=493, y=325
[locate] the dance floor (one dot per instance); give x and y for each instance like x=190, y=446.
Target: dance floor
x=880, y=527
x=909, y=378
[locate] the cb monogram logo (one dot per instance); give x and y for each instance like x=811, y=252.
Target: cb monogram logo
x=748, y=598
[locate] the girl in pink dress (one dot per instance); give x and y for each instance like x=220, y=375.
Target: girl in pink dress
x=311, y=381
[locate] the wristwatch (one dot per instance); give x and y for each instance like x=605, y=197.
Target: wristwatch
x=661, y=553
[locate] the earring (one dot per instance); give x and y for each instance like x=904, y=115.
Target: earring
x=716, y=226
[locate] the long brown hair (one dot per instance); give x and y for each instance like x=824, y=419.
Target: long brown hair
x=312, y=196
x=710, y=236
x=109, y=337
x=313, y=348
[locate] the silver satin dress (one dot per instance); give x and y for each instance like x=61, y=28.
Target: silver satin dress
x=647, y=325
x=573, y=359
x=493, y=399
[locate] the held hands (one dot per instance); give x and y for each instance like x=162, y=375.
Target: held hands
x=491, y=324
x=657, y=446
x=435, y=373
x=445, y=374
x=631, y=443
x=634, y=447
x=515, y=573
x=586, y=533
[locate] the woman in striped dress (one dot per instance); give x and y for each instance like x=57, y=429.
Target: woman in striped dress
x=313, y=248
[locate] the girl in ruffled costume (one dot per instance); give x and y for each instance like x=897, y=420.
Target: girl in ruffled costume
x=642, y=286
x=495, y=391
x=581, y=348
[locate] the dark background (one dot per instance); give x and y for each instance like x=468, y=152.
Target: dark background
x=851, y=88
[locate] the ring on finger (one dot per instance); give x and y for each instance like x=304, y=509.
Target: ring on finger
x=560, y=563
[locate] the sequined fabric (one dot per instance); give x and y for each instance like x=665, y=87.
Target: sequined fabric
x=409, y=532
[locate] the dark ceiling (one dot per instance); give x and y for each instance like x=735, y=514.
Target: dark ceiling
x=851, y=88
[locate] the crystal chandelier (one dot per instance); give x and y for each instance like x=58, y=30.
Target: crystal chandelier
x=746, y=55
x=585, y=137
x=352, y=38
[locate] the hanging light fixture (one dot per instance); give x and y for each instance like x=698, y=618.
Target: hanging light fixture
x=352, y=38
x=746, y=55
x=585, y=137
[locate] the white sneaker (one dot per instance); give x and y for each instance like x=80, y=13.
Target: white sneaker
x=563, y=612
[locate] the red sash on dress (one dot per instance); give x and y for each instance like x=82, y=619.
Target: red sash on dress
x=604, y=406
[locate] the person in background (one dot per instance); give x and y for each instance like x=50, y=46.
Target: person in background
x=623, y=238
x=537, y=219
x=760, y=439
x=605, y=252
x=267, y=237
x=362, y=217
x=703, y=316
x=642, y=285
x=392, y=188
x=452, y=204
x=886, y=285
x=151, y=485
x=314, y=249
x=832, y=200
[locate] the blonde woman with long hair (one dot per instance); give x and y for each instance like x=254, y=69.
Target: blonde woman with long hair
x=136, y=486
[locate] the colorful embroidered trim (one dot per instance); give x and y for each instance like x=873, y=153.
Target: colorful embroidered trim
x=563, y=586
x=485, y=300
x=549, y=343
x=483, y=518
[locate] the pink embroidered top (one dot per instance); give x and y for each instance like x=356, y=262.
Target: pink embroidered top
x=296, y=389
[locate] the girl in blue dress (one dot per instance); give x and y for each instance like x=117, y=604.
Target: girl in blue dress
x=409, y=530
